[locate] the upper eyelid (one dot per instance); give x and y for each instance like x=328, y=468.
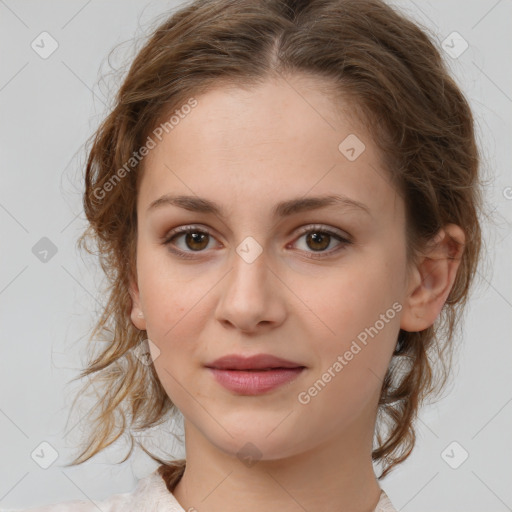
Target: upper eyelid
x=325, y=228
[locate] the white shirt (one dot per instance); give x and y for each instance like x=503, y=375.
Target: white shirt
x=150, y=495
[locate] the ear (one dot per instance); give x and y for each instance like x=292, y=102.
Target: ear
x=137, y=314
x=432, y=279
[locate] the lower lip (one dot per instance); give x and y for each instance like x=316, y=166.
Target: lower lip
x=254, y=382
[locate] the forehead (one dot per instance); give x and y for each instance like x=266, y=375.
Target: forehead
x=280, y=139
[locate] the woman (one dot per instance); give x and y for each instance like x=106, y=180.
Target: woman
x=285, y=200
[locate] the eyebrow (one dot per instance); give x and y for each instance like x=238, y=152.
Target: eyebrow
x=283, y=209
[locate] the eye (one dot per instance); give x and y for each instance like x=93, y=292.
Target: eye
x=195, y=239
x=318, y=238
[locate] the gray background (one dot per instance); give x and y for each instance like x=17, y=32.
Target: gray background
x=49, y=107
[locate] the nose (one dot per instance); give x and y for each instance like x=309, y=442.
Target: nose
x=252, y=296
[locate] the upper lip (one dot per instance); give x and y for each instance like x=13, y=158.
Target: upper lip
x=255, y=362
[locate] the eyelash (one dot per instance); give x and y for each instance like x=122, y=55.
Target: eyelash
x=182, y=230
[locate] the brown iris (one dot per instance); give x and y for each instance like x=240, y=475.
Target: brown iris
x=318, y=238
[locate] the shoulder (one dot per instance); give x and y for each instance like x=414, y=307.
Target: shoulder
x=384, y=504
x=150, y=495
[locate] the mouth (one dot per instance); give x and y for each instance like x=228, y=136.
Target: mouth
x=255, y=382
x=254, y=375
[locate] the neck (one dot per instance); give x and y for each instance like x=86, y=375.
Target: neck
x=335, y=475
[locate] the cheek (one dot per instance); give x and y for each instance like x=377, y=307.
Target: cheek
x=353, y=297
x=361, y=308
x=176, y=306
x=166, y=296
x=353, y=354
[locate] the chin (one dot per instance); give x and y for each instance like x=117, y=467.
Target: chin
x=250, y=445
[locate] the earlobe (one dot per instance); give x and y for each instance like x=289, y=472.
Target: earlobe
x=136, y=315
x=432, y=279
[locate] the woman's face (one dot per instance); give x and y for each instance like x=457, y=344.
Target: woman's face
x=270, y=277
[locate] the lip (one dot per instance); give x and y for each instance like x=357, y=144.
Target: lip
x=255, y=362
x=254, y=382
x=254, y=375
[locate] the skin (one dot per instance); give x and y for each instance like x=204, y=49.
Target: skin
x=247, y=150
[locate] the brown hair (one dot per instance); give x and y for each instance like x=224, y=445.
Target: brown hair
x=414, y=111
